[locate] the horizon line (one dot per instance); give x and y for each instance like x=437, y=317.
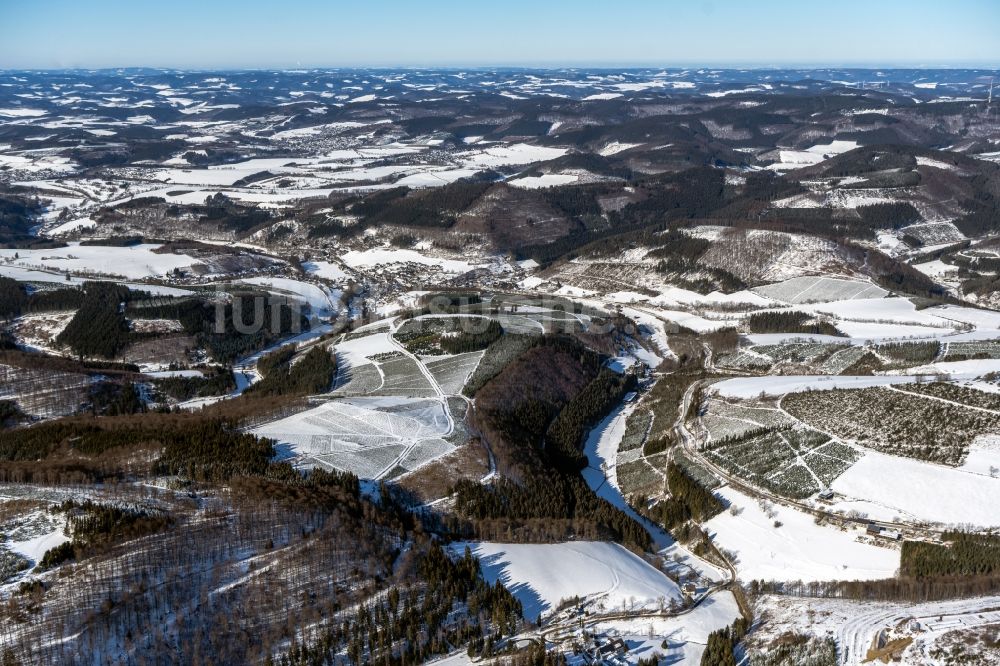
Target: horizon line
x=862, y=66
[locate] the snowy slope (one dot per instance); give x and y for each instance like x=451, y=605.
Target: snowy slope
x=540, y=575
x=132, y=262
x=797, y=550
x=923, y=490
x=320, y=298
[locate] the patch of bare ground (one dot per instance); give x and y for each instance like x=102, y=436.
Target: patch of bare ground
x=433, y=481
x=18, y=507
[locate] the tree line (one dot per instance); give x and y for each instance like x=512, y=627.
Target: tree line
x=15, y=299
x=788, y=322
x=934, y=588
x=665, y=200
x=965, y=554
x=470, y=341
x=313, y=373
x=719, y=650
x=446, y=603
x=564, y=436
x=200, y=317
x=436, y=207
x=689, y=500
x=99, y=327
x=94, y=527
x=534, y=414
x=195, y=446
x=217, y=381
x=515, y=408
x=17, y=216
x=551, y=507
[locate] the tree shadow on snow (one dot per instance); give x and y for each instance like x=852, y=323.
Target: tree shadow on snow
x=495, y=568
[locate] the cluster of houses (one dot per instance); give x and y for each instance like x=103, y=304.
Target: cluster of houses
x=600, y=650
x=609, y=650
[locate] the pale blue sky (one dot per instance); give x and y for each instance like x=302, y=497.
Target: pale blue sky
x=312, y=33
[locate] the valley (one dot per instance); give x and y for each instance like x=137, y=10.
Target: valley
x=503, y=366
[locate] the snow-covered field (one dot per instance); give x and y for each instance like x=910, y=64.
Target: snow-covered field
x=507, y=155
x=357, y=351
x=541, y=575
x=894, y=310
x=794, y=159
x=752, y=387
x=616, y=147
x=981, y=319
x=133, y=262
x=451, y=372
x=774, y=385
x=343, y=169
x=671, y=297
x=960, y=370
x=696, y=322
x=774, y=542
x=322, y=299
x=602, y=445
x=545, y=180
x=367, y=436
x=386, y=415
x=654, y=329
x=325, y=270
x=685, y=635
x=32, y=275
x=819, y=289
x=924, y=491
x=888, y=331
x=867, y=319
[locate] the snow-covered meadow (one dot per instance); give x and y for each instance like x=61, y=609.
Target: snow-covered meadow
x=775, y=542
x=542, y=575
x=132, y=262
x=890, y=487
